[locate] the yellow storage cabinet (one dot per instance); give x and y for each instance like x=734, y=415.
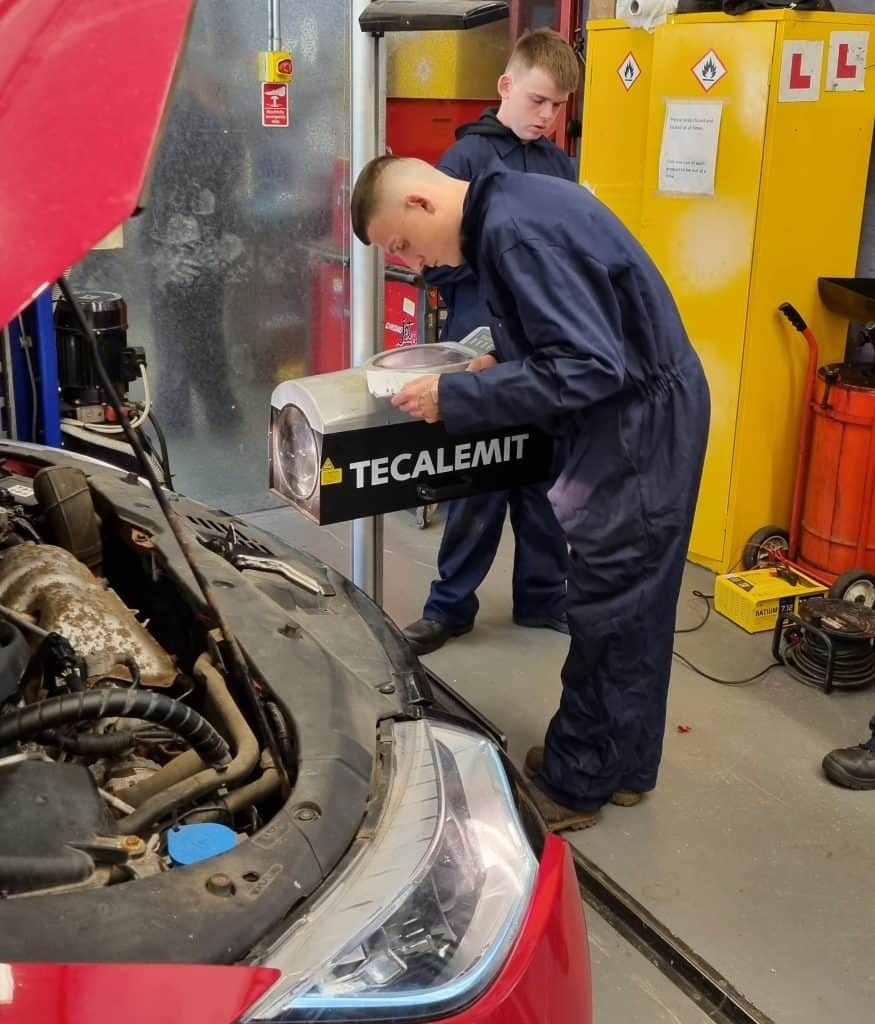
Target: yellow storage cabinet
x=795, y=106
x=614, y=143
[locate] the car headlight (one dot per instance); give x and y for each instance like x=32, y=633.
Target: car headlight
x=424, y=917
x=295, y=452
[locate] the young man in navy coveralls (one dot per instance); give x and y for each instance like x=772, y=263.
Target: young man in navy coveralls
x=541, y=73
x=592, y=348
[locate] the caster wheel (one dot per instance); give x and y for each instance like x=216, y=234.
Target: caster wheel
x=760, y=550
x=856, y=586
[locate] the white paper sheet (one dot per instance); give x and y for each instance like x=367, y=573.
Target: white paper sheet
x=690, y=139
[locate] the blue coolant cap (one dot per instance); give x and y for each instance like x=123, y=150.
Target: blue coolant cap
x=190, y=844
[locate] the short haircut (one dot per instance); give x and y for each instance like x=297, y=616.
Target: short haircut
x=545, y=49
x=366, y=195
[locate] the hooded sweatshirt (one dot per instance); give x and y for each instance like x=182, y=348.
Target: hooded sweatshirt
x=480, y=144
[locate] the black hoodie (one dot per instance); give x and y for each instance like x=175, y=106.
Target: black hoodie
x=482, y=141
x=480, y=144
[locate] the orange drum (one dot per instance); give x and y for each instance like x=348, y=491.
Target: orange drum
x=838, y=526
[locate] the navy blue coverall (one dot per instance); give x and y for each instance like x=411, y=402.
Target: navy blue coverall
x=592, y=347
x=473, y=527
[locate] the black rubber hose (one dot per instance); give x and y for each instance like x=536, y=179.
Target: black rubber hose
x=109, y=744
x=208, y=780
x=854, y=664
x=162, y=444
x=25, y=723
x=278, y=721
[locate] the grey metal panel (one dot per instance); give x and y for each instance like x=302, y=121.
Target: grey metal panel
x=424, y=15
x=219, y=269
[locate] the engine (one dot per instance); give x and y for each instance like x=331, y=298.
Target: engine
x=123, y=750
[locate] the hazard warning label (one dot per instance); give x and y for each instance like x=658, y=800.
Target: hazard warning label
x=329, y=474
x=629, y=71
x=709, y=70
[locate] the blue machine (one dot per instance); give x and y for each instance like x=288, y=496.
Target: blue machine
x=32, y=410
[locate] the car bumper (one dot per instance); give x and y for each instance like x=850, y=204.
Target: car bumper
x=545, y=980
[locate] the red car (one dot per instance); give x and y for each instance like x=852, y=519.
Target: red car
x=343, y=842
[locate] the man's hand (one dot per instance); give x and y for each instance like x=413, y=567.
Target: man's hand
x=479, y=363
x=419, y=398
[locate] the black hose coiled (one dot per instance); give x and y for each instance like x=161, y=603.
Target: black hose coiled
x=853, y=664
x=25, y=723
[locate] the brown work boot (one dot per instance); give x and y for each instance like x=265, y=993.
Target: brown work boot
x=534, y=762
x=558, y=818
x=626, y=798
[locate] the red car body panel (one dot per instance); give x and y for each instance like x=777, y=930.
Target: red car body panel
x=545, y=980
x=83, y=86
x=133, y=993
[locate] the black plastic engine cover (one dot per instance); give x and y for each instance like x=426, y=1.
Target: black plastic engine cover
x=14, y=656
x=51, y=809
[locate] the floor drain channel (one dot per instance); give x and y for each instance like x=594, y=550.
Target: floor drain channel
x=712, y=993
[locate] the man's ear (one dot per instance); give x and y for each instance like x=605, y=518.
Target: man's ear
x=418, y=199
x=504, y=84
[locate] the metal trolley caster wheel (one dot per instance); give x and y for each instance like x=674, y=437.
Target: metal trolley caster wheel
x=856, y=586
x=424, y=516
x=762, y=547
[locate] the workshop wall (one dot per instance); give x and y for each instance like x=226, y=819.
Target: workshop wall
x=236, y=268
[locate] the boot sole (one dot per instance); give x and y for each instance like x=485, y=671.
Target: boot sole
x=574, y=824
x=620, y=799
x=835, y=773
x=628, y=799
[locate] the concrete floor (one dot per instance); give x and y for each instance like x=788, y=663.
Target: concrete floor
x=744, y=851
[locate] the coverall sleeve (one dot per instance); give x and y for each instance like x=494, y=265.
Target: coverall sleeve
x=570, y=317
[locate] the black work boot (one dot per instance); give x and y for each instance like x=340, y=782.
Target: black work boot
x=534, y=762
x=427, y=635
x=851, y=767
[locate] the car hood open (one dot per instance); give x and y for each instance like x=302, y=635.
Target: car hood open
x=83, y=87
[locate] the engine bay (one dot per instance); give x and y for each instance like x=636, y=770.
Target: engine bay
x=113, y=756
x=142, y=805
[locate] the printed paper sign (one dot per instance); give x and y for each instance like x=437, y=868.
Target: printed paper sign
x=274, y=105
x=801, y=68
x=629, y=71
x=846, y=69
x=709, y=70
x=690, y=137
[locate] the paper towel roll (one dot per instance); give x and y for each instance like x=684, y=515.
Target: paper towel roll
x=645, y=13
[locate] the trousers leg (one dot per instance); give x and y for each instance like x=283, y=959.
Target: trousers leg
x=468, y=547
x=540, y=566
x=607, y=733
x=628, y=519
